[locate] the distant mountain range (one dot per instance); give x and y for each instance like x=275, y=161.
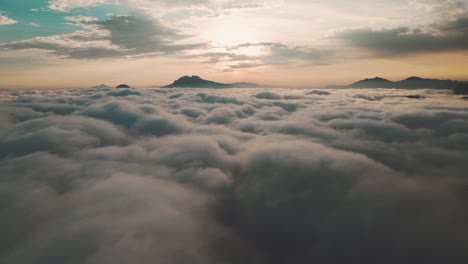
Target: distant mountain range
x=198, y=82
x=409, y=83
x=376, y=82
x=461, y=88
x=458, y=87
x=103, y=86
x=100, y=86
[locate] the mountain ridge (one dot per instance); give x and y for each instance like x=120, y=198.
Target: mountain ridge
x=461, y=88
x=195, y=81
x=101, y=86
x=372, y=83
x=413, y=82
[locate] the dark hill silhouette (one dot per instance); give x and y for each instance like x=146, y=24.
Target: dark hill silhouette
x=376, y=82
x=197, y=82
x=417, y=82
x=122, y=86
x=100, y=86
x=461, y=88
x=409, y=83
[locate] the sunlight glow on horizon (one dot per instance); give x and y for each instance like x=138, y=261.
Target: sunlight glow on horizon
x=279, y=43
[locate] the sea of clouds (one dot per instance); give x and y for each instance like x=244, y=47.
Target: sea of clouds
x=260, y=176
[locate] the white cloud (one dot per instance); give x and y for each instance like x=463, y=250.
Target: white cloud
x=67, y=5
x=4, y=20
x=214, y=176
x=117, y=36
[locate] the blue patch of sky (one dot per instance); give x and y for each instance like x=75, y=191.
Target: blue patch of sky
x=50, y=22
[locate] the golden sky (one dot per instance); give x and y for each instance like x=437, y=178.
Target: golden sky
x=296, y=43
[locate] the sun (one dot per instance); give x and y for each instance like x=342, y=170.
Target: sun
x=231, y=31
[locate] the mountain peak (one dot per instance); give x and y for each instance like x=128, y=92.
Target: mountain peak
x=376, y=79
x=193, y=77
x=375, y=82
x=100, y=86
x=413, y=78
x=413, y=82
x=195, y=81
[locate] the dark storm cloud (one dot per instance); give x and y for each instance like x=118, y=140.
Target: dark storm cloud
x=450, y=35
x=117, y=36
x=235, y=175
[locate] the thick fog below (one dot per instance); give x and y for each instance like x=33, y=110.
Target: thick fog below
x=108, y=176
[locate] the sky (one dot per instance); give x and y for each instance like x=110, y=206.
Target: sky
x=294, y=43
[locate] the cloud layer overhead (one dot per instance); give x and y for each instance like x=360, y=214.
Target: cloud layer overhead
x=234, y=175
x=117, y=36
